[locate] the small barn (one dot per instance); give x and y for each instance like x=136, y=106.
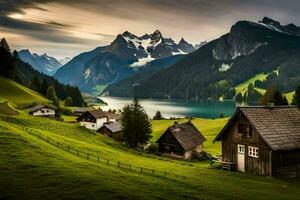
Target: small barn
x=93, y=119
x=263, y=140
x=80, y=110
x=183, y=140
x=43, y=111
x=113, y=130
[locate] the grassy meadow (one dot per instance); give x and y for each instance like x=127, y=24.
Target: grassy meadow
x=31, y=168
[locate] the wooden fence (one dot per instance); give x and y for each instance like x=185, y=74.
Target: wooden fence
x=92, y=156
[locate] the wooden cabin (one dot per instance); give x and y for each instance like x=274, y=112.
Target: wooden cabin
x=81, y=110
x=43, y=111
x=93, y=119
x=181, y=140
x=113, y=130
x=263, y=140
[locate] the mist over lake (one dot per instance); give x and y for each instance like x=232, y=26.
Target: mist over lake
x=176, y=108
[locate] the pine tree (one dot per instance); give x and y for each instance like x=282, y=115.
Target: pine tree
x=136, y=124
x=35, y=84
x=68, y=101
x=43, y=88
x=157, y=116
x=51, y=94
x=4, y=44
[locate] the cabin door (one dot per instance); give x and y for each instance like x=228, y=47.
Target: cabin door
x=241, y=158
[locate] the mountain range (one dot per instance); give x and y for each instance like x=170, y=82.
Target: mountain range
x=125, y=56
x=216, y=68
x=42, y=63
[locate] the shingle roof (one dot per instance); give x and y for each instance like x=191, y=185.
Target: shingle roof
x=278, y=126
x=187, y=135
x=113, y=116
x=98, y=113
x=114, y=127
x=82, y=109
x=38, y=107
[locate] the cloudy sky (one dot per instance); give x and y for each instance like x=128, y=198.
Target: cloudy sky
x=64, y=28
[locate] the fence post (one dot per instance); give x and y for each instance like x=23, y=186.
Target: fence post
x=68, y=148
x=87, y=156
x=107, y=162
x=165, y=173
x=152, y=171
x=118, y=164
x=98, y=158
x=141, y=170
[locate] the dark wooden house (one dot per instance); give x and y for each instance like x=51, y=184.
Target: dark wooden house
x=113, y=130
x=183, y=140
x=80, y=110
x=263, y=140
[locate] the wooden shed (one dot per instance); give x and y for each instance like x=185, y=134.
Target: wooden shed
x=182, y=140
x=43, y=111
x=263, y=140
x=113, y=130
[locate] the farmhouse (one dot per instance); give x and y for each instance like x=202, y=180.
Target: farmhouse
x=113, y=130
x=183, y=140
x=263, y=140
x=42, y=110
x=93, y=119
x=80, y=110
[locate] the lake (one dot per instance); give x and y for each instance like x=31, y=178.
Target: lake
x=176, y=108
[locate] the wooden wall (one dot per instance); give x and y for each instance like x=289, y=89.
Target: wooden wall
x=261, y=165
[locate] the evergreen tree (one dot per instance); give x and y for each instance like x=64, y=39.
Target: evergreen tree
x=136, y=124
x=7, y=64
x=157, y=116
x=43, y=88
x=4, y=44
x=35, y=84
x=69, y=101
x=297, y=96
x=272, y=95
x=51, y=94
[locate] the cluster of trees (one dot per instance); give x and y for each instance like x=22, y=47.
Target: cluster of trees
x=136, y=124
x=273, y=95
x=12, y=67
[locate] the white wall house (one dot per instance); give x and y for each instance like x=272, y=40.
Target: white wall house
x=41, y=110
x=93, y=119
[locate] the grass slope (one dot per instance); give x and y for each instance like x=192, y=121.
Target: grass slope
x=32, y=169
x=18, y=94
x=243, y=87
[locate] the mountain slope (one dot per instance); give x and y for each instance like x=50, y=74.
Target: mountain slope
x=126, y=55
x=213, y=70
x=43, y=63
x=18, y=94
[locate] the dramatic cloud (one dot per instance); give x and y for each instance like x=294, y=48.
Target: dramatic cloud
x=76, y=25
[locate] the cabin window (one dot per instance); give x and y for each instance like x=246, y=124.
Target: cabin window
x=167, y=148
x=47, y=111
x=244, y=129
x=253, y=152
x=93, y=125
x=42, y=111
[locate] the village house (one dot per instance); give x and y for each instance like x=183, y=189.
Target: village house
x=43, y=111
x=113, y=130
x=181, y=140
x=80, y=110
x=93, y=119
x=263, y=140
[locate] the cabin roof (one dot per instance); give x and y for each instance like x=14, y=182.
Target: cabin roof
x=186, y=134
x=38, y=107
x=82, y=109
x=97, y=113
x=113, y=115
x=113, y=127
x=278, y=126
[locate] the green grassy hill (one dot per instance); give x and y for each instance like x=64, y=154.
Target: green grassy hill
x=33, y=169
x=18, y=94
